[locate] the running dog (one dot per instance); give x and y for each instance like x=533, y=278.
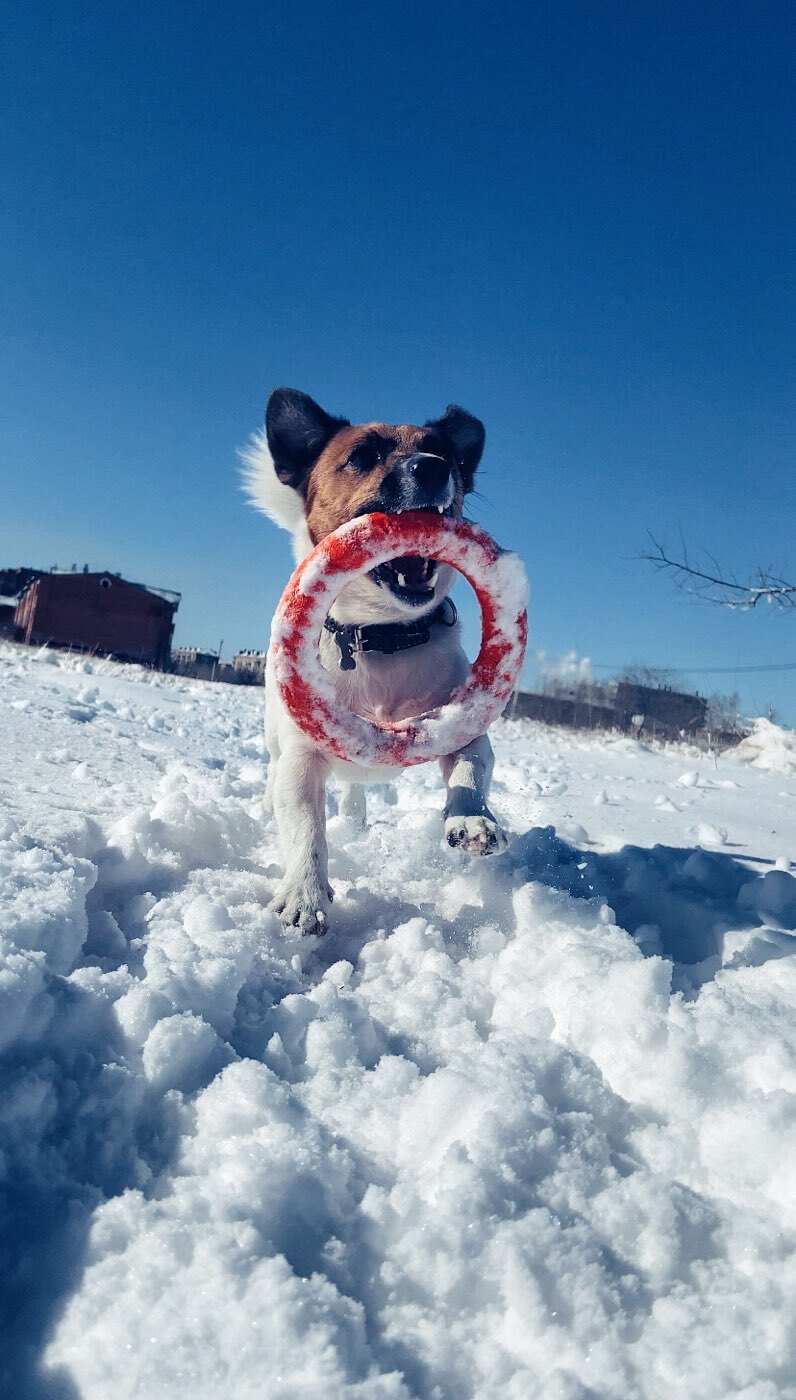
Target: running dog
x=391, y=639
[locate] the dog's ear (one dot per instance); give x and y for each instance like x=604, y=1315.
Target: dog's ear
x=297, y=429
x=466, y=435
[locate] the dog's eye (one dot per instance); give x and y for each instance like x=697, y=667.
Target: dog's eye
x=365, y=457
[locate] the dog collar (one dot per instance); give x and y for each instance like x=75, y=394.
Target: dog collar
x=387, y=637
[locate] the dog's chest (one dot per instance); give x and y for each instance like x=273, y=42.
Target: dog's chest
x=384, y=687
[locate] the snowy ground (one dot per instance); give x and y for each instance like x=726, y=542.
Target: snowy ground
x=522, y=1129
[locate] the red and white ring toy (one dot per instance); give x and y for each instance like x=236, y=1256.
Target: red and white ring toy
x=308, y=689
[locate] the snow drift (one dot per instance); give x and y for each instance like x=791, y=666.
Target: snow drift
x=516, y=1129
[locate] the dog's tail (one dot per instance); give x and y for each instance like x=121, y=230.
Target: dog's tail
x=264, y=489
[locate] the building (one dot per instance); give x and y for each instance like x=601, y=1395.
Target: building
x=8, y=608
x=246, y=668
x=655, y=712
x=192, y=661
x=100, y=613
x=571, y=711
x=249, y=667
x=13, y=583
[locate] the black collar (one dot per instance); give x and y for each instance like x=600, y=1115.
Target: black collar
x=387, y=637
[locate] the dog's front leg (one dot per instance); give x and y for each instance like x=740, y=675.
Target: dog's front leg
x=353, y=804
x=303, y=898
x=469, y=824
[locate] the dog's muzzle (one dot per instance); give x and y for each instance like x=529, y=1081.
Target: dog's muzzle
x=422, y=481
x=429, y=476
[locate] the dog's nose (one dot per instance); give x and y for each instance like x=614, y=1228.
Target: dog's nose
x=430, y=473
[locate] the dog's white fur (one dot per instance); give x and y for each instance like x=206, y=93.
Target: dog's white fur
x=381, y=686
x=267, y=493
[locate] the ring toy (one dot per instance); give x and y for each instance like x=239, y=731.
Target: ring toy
x=307, y=688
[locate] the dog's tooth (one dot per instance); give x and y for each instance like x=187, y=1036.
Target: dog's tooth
x=401, y=580
x=441, y=510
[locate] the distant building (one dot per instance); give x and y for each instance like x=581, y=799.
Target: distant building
x=637, y=709
x=192, y=661
x=99, y=613
x=13, y=583
x=659, y=711
x=250, y=666
x=246, y=668
x=571, y=711
x=8, y=608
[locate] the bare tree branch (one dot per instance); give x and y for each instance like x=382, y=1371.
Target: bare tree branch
x=719, y=587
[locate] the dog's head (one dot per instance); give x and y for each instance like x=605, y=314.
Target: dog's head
x=337, y=471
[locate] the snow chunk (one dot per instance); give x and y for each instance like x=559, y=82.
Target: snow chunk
x=769, y=746
x=44, y=903
x=709, y=835
x=772, y=897
x=689, y=779
x=183, y=1052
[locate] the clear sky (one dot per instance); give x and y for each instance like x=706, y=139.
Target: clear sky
x=575, y=219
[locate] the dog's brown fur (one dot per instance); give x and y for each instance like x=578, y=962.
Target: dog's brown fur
x=336, y=491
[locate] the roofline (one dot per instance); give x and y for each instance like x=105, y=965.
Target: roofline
x=170, y=594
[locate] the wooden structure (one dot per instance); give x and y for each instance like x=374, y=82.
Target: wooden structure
x=637, y=709
x=100, y=613
x=659, y=711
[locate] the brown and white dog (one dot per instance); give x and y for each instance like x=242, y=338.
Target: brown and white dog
x=311, y=472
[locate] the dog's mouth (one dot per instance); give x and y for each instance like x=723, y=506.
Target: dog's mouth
x=410, y=578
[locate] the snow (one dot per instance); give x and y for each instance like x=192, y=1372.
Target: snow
x=513, y=1128
x=769, y=746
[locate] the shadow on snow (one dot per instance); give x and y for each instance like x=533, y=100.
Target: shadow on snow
x=678, y=902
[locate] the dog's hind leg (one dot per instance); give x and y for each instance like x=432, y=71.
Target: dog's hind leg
x=353, y=804
x=469, y=824
x=304, y=896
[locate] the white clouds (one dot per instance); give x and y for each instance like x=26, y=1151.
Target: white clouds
x=568, y=670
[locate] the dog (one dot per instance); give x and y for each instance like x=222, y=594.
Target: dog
x=391, y=640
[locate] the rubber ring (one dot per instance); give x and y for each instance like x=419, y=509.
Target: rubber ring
x=307, y=688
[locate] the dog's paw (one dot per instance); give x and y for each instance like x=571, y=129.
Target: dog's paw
x=476, y=836
x=303, y=907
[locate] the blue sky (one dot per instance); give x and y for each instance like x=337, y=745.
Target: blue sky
x=574, y=219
